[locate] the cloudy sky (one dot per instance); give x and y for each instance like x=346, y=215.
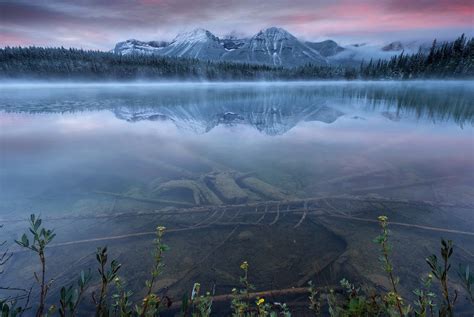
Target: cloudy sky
x=99, y=24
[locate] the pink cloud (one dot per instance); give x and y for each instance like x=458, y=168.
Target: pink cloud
x=102, y=23
x=356, y=17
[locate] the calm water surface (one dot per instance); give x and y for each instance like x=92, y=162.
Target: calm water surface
x=61, y=146
x=59, y=143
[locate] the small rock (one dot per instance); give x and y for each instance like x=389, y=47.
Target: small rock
x=245, y=235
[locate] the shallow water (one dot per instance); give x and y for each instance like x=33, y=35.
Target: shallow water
x=61, y=145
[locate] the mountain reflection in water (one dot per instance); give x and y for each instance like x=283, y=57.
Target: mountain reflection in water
x=271, y=108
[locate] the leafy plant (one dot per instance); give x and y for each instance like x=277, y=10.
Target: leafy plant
x=9, y=305
x=71, y=297
x=106, y=276
x=425, y=298
x=121, y=299
x=198, y=305
x=392, y=298
x=4, y=256
x=243, y=307
x=151, y=302
x=440, y=272
x=314, y=299
x=467, y=279
x=41, y=237
x=353, y=301
x=241, y=300
x=10, y=309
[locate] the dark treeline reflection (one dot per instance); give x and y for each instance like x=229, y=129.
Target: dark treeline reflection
x=443, y=103
x=257, y=104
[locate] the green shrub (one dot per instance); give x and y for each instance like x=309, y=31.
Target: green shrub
x=353, y=302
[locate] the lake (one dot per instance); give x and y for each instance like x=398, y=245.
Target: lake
x=288, y=176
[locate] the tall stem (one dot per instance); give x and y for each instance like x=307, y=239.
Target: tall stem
x=444, y=281
x=103, y=289
x=40, y=310
x=145, y=305
x=392, y=279
x=383, y=240
x=156, y=269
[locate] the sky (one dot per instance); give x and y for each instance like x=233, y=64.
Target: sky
x=99, y=24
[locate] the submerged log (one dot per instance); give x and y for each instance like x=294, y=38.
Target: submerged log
x=201, y=193
x=146, y=200
x=224, y=185
x=276, y=293
x=262, y=188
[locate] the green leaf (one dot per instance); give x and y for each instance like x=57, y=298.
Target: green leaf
x=37, y=224
x=24, y=240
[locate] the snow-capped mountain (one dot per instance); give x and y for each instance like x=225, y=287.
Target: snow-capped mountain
x=326, y=48
x=272, y=46
x=133, y=46
x=199, y=43
x=275, y=46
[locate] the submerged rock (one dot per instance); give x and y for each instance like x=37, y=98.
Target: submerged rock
x=245, y=235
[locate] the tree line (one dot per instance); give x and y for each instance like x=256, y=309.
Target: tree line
x=447, y=60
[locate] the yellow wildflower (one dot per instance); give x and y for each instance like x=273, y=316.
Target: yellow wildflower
x=244, y=266
x=260, y=301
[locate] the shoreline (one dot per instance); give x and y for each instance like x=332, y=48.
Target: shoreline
x=204, y=83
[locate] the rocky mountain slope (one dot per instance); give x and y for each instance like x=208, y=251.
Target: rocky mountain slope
x=272, y=46
x=275, y=46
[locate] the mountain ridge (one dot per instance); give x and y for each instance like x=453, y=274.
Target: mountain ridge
x=272, y=46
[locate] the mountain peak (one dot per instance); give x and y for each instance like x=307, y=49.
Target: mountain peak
x=276, y=33
x=394, y=46
x=274, y=29
x=196, y=35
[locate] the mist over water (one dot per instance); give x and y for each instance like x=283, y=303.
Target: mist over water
x=61, y=145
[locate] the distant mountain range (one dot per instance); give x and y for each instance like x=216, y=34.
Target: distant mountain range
x=272, y=46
